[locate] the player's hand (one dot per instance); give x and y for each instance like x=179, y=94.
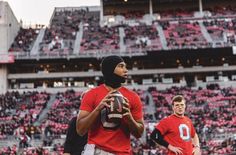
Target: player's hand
x=106, y=101
x=176, y=150
x=126, y=109
x=196, y=151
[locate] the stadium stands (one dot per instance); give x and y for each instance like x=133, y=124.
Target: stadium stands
x=69, y=53
x=222, y=31
x=142, y=36
x=181, y=31
x=61, y=34
x=24, y=40
x=211, y=110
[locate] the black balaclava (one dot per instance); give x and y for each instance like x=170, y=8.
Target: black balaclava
x=108, y=66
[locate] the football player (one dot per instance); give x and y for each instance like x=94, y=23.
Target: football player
x=106, y=137
x=176, y=132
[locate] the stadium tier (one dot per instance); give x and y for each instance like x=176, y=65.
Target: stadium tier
x=171, y=47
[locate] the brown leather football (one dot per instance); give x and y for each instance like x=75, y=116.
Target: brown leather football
x=114, y=113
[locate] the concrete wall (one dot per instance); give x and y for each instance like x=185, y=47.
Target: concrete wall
x=3, y=79
x=9, y=28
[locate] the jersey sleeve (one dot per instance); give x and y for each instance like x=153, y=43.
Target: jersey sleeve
x=137, y=110
x=87, y=102
x=163, y=126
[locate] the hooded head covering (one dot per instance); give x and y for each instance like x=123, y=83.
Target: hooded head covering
x=108, y=66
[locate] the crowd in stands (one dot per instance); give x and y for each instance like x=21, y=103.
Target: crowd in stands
x=19, y=112
x=57, y=149
x=9, y=150
x=222, y=31
x=211, y=109
x=142, y=36
x=60, y=36
x=176, y=14
x=65, y=106
x=228, y=10
x=62, y=110
x=181, y=30
x=96, y=37
x=24, y=40
x=184, y=34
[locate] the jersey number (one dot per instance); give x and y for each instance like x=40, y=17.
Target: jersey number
x=184, y=132
x=106, y=124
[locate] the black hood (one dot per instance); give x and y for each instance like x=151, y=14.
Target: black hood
x=108, y=66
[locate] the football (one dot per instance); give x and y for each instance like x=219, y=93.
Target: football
x=114, y=113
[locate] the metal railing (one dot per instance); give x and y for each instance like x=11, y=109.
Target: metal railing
x=21, y=55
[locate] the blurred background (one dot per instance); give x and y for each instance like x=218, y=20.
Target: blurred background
x=50, y=53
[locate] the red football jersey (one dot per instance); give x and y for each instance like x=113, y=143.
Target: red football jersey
x=111, y=137
x=178, y=131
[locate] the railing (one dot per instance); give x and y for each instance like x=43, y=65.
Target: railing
x=86, y=54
